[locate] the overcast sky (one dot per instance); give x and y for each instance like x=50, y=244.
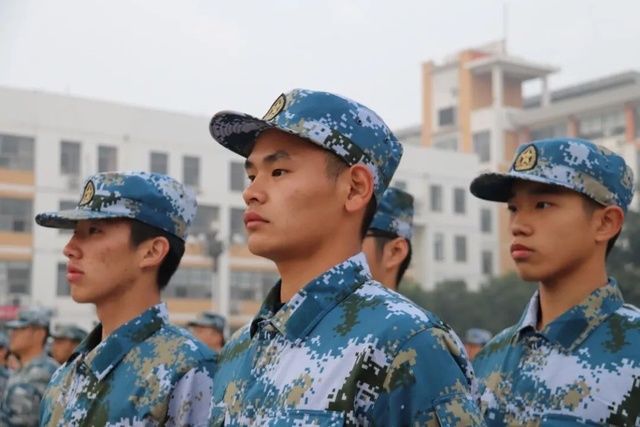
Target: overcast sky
x=200, y=56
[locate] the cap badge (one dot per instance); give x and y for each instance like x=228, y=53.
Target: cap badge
x=276, y=108
x=526, y=160
x=87, y=194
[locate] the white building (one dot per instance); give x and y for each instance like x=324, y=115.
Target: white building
x=49, y=143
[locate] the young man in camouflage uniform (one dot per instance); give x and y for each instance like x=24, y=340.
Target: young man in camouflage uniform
x=387, y=244
x=65, y=340
x=209, y=328
x=574, y=356
x=329, y=346
x=23, y=393
x=134, y=368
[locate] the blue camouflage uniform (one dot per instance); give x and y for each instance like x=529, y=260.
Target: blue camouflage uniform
x=344, y=350
x=24, y=389
x=4, y=371
x=147, y=372
x=584, y=366
x=394, y=214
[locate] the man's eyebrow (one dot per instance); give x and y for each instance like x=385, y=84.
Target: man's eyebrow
x=541, y=190
x=269, y=158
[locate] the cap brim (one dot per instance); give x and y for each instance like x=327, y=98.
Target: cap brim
x=16, y=324
x=238, y=131
x=495, y=187
x=68, y=218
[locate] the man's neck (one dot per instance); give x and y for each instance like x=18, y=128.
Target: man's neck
x=30, y=354
x=116, y=311
x=296, y=272
x=560, y=294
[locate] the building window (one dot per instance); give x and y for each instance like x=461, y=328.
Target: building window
x=549, y=131
x=237, y=176
x=447, y=116
x=449, y=143
x=460, y=248
x=69, y=158
x=251, y=285
x=485, y=220
x=206, y=220
x=435, y=198
x=236, y=218
x=159, y=162
x=62, y=286
x=190, y=282
x=107, y=158
x=459, y=200
x=610, y=123
x=15, y=277
x=482, y=145
x=16, y=215
x=487, y=263
x=438, y=247
x=16, y=152
x=191, y=171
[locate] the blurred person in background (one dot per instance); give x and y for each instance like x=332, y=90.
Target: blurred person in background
x=387, y=244
x=474, y=340
x=209, y=328
x=28, y=335
x=65, y=339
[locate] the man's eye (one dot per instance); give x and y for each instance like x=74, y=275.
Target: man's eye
x=543, y=205
x=251, y=178
x=93, y=230
x=278, y=172
x=511, y=208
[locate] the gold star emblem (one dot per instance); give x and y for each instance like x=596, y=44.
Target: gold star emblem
x=276, y=108
x=526, y=160
x=87, y=194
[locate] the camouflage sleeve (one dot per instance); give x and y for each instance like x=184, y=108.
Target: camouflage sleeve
x=192, y=397
x=426, y=386
x=21, y=405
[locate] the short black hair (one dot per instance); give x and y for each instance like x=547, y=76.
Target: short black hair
x=381, y=238
x=141, y=232
x=590, y=206
x=334, y=167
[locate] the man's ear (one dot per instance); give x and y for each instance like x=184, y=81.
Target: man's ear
x=360, y=188
x=395, y=251
x=153, y=251
x=608, y=222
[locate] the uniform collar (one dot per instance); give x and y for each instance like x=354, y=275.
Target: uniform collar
x=572, y=327
x=102, y=357
x=298, y=316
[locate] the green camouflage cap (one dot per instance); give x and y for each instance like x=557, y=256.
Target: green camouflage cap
x=154, y=199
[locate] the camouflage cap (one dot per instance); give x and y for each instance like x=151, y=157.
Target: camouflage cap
x=477, y=336
x=71, y=332
x=209, y=319
x=32, y=316
x=572, y=163
x=395, y=213
x=352, y=131
x=154, y=199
